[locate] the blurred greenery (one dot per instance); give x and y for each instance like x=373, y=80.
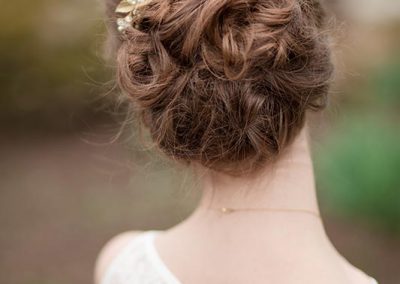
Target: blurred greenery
x=357, y=170
x=384, y=84
x=51, y=68
x=358, y=165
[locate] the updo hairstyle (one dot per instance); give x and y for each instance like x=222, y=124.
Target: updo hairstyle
x=226, y=84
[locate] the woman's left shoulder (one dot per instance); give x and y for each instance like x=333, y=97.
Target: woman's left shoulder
x=109, y=251
x=355, y=274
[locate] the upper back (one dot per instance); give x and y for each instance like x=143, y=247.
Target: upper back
x=131, y=258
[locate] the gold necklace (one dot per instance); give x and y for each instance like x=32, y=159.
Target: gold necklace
x=227, y=210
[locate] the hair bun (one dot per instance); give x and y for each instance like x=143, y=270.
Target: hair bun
x=226, y=83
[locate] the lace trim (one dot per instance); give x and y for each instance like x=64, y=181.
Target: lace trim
x=114, y=266
x=139, y=263
x=373, y=281
x=157, y=261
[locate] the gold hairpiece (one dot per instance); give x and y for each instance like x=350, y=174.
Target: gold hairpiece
x=130, y=11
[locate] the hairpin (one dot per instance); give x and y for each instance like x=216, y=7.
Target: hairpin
x=130, y=10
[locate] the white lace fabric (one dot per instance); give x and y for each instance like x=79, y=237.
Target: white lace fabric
x=139, y=263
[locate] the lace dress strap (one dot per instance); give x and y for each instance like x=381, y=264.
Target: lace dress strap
x=156, y=260
x=373, y=281
x=117, y=263
x=139, y=263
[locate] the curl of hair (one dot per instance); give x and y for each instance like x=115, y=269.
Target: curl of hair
x=226, y=83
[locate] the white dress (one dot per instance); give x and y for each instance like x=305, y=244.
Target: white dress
x=139, y=263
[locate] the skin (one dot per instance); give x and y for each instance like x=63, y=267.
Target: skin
x=252, y=247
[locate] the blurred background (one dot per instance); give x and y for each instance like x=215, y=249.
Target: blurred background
x=67, y=186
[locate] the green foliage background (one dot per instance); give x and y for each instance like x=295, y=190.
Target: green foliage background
x=358, y=165
x=51, y=66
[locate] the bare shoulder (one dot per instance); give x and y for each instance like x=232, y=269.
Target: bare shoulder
x=109, y=251
x=357, y=275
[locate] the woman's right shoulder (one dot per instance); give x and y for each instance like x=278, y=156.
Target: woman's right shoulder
x=110, y=250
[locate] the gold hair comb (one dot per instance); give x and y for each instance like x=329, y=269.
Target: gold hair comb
x=130, y=10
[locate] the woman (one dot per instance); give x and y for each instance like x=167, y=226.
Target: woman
x=224, y=86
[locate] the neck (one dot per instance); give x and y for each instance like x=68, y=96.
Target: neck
x=287, y=237
x=287, y=184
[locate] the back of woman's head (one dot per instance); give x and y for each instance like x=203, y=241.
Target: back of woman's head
x=225, y=83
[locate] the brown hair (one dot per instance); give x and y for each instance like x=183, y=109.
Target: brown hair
x=225, y=83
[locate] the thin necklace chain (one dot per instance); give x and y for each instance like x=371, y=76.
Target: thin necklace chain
x=227, y=210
